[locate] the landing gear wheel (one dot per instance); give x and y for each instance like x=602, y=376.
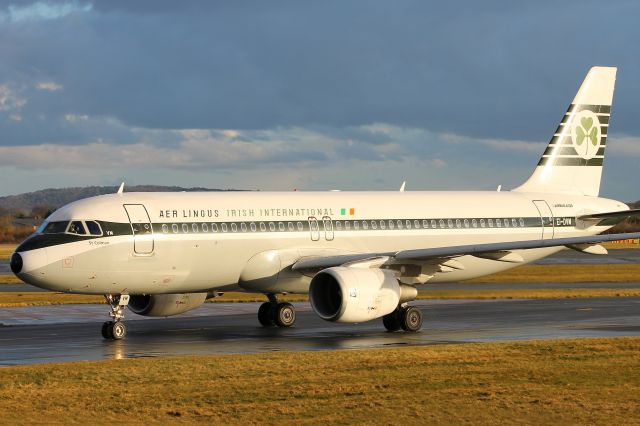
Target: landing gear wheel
x=118, y=330
x=391, y=321
x=265, y=315
x=411, y=319
x=106, y=330
x=285, y=314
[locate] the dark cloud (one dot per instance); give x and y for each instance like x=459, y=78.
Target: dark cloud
x=484, y=69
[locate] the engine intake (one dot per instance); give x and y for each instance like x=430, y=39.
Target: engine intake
x=165, y=305
x=343, y=294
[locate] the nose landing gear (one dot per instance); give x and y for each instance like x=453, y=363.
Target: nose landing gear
x=115, y=330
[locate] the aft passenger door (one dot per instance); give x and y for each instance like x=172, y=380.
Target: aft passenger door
x=546, y=217
x=328, y=228
x=141, y=228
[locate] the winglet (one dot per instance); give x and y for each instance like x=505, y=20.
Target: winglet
x=121, y=189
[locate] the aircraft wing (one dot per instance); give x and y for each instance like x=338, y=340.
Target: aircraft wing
x=440, y=254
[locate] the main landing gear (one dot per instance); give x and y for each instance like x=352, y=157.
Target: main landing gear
x=281, y=314
x=115, y=330
x=407, y=318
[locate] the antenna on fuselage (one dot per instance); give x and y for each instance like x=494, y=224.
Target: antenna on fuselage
x=121, y=189
x=403, y=186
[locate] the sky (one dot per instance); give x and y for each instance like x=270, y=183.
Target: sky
x=308, y=95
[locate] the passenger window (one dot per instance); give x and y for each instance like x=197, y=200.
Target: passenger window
x=243, y=227
x=425, y=224
x=506, y=223
x=408, y=224
x=416, y=224
x=253, y=227
x=347, y=225
x=450, y=223
x=391, y=224
x=356, y=225
x=433, y=223
x=214, y=227
x=224, y=227
x=374, y=225
x=399, y=224
x=458, y=223
x=383, y=225
x=76, y=227
x=234, y=227
x=442, y=223
x=474, y=223
x=280, y=226
x=185, y=228
x=194, y=226
x=165, y=228
x=490, y=223
x=205, y=227
x=521, y=222
x=94, y=228
x=482, y=224
x=290, y=226
x=514, y=223
x=498, y=223
x=263, y=227
x=365, y=225
x=272, y=226
x=174, y=228
x=466, y=223
x=338, y=225
x=300, y=226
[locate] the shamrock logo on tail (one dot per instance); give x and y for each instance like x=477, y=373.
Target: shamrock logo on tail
x=586, y=130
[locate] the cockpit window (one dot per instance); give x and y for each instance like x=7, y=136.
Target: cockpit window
x=55, y=227
x=76, y=227
x=93, y=227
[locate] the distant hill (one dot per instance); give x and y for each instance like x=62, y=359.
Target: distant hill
x=54, y=198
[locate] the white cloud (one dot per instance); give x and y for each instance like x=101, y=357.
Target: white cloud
x=48, y=85
x=42, y=10
x=10, y=100
x=498, y=144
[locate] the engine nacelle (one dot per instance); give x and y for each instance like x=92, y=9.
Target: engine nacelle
x=164, y=305
x=344, y=294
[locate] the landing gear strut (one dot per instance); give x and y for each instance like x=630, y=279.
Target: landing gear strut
x=407, y=318
x=115, y=330
x=272, y=313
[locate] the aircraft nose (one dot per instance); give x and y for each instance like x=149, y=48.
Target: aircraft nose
x=16, y=263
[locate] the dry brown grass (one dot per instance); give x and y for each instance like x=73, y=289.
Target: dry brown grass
x=6, y=250
x=574, y=273
x=589, y=381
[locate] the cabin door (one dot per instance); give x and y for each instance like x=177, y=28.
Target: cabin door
x=141, y=228
x=546, y=218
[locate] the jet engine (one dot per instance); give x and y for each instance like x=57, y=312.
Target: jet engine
x=164, y=305
x=343, y=294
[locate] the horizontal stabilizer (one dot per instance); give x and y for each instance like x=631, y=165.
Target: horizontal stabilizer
x=623, y=214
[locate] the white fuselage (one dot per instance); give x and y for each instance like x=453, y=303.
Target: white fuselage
x=200, y=242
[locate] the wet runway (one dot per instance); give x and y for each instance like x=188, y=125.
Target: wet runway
x=56, y=334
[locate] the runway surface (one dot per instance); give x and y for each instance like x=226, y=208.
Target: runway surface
x=72, y=333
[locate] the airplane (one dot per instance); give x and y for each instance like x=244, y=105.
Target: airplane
x=359, y=256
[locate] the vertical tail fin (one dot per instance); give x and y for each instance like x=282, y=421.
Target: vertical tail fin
x=572, y=163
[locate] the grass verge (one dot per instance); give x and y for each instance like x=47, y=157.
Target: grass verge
x=586, y=381
x=570, y=273
x=6, y=250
